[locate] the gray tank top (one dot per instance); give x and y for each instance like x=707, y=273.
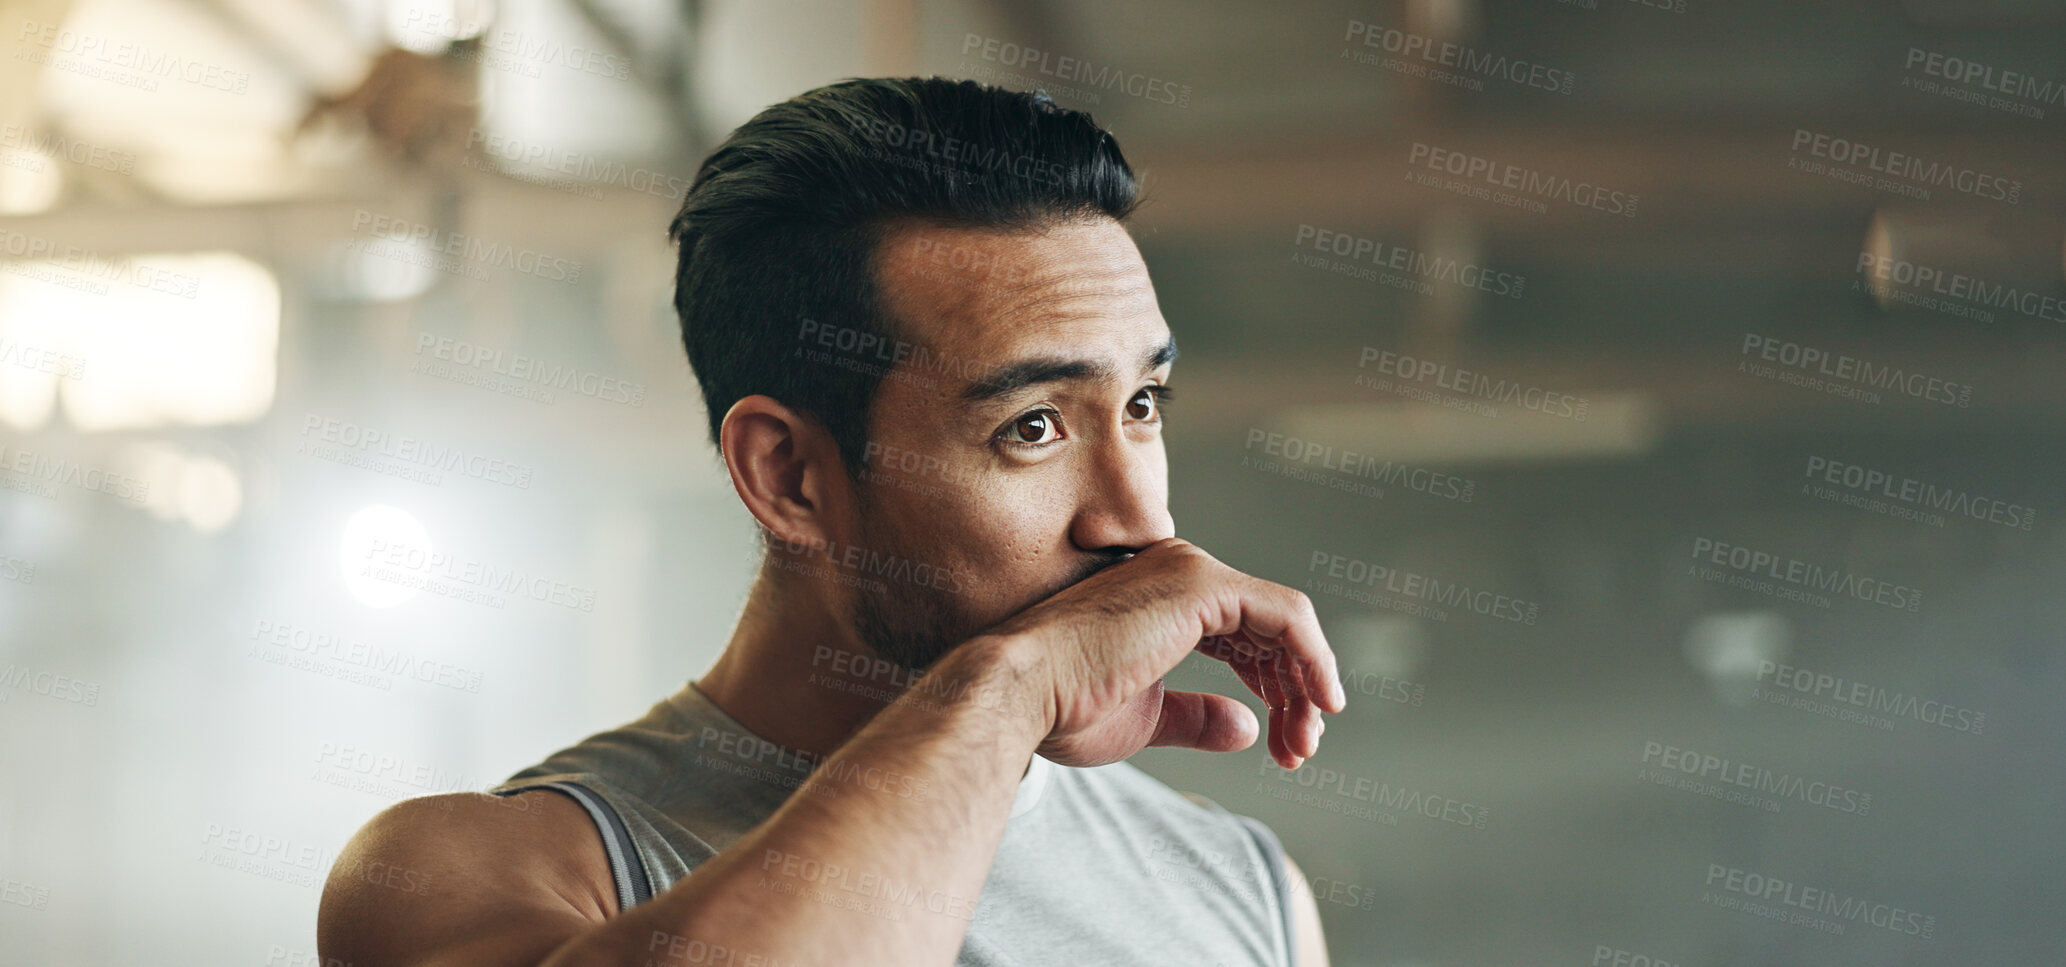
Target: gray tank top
x=1103, y=865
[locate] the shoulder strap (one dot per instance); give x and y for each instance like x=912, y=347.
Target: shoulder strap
x=626, y=868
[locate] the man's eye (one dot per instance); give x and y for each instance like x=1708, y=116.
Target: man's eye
x=1036, y=427
x=1142, y=406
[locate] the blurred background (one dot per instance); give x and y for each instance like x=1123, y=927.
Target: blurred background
x=1702, y=363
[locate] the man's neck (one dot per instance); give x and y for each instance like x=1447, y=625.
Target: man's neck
x=781, y=677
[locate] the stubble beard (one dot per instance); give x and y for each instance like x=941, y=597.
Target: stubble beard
x=909, y=623
x=915, y=624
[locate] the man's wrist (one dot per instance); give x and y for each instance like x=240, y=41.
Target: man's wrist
x=1004, y=675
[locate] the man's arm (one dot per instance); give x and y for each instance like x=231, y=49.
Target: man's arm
x=1305, y=918
x=878, y=858
x=489, y=880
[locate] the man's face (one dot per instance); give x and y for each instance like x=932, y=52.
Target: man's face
x=1017, y=449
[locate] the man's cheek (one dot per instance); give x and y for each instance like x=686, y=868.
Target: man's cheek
x=997, y=536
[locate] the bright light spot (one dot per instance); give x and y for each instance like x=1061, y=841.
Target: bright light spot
x=367, y=536
x=200, y=489
x=27, y=397
x=146, y=341
x=385, y=269
x=592, y=112
x=199, y=101
x=1880, y=244
x=1369, y=647
x=158, y=466
x=429, y=26
x=1442, y=19
x=30, y=181
x=1729, y=648
x=209, y=494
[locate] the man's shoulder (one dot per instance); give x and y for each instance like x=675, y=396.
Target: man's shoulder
x=463, y=858
x=454, y=830
x=634, y=758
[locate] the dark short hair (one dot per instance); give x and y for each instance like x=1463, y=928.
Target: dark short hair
x=780, y=227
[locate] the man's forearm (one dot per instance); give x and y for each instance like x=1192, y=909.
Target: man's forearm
x=877, y=859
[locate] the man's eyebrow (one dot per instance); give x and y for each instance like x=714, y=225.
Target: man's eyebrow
x=1009, y=379
x=1012, y=377
x=1160, y=355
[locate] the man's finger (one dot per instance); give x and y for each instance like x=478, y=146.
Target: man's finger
x=1210, y=723
x=1264, y=682
x=1302, y=717
x=1281, y=619
x=1280, y=737
x=1301, y=732
x=1246, y=670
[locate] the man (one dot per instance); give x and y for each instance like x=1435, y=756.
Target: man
x=934, y=367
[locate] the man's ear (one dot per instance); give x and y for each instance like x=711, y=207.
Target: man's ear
x=786, y=468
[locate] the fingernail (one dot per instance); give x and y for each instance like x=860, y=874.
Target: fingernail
x=1341, y=697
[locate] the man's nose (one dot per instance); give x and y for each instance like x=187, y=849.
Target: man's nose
x=1124, y=503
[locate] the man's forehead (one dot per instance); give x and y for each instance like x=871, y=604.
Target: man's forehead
x=986, y=291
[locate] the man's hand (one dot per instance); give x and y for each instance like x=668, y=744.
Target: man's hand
x=1077, y=677
x=1098, y=650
